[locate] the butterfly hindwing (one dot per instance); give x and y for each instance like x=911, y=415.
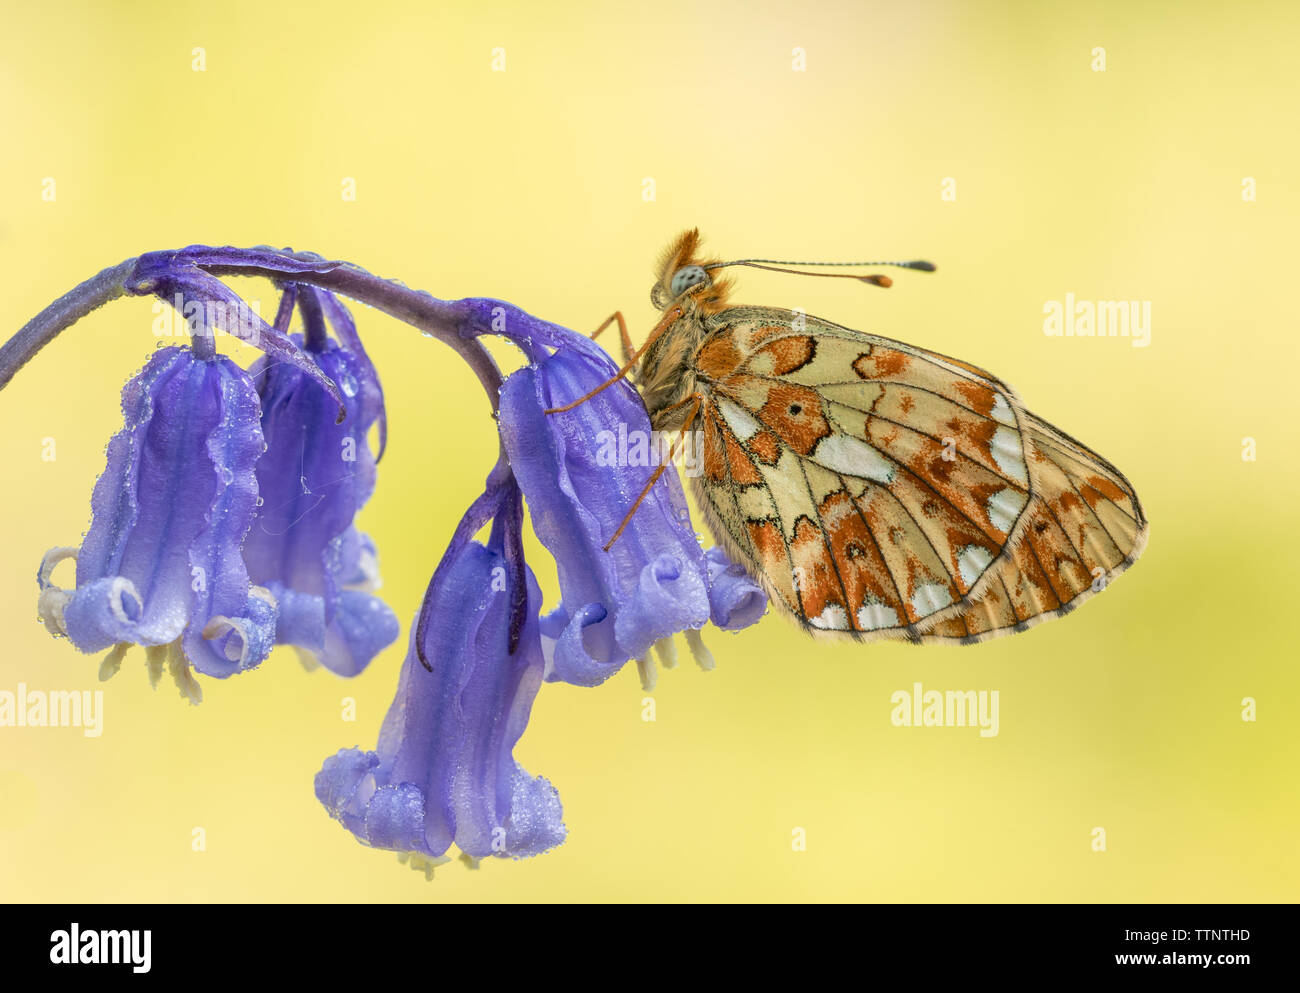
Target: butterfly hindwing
x=872, y=484
x=1084, y=526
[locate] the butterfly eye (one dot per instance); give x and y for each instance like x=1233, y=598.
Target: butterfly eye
x=683, y=279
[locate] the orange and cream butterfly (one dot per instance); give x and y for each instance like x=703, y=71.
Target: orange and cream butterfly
x=876, y=489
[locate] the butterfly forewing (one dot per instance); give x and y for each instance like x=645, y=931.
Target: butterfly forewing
x=872, y=484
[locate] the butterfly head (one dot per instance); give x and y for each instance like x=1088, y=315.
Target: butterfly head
x=688, y=280
x=685, y=277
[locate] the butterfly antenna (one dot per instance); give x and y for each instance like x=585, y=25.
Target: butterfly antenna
x=777, y=265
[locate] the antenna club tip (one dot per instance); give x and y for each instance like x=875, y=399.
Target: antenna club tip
x=922, y=265
x=884, y=281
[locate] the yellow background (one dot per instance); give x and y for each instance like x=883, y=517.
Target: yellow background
x=527, y=185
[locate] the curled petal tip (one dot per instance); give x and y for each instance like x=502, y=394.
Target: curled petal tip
x=52, y=602
x=735, y=600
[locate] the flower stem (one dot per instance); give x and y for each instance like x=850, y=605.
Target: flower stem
x=446, y=321
x=315, y=335
x=62, y=313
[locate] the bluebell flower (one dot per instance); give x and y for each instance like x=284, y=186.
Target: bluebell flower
x=161, y=566
x=226, y=522
x=443, y=772
x=654, y=581
x=312, y=480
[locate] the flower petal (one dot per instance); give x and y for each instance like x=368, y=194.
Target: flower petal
x=362, y=627
x=578, y=496
x=571, y=661
x=667, y=601
x=444, y=771
x=170, y=512
x=314, y=478
x=735, y=600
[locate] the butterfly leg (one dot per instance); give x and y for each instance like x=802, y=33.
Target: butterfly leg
x=624, y=337
x=668, y=318
x=695, y=400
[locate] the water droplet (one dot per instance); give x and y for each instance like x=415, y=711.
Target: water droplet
x=227, y=476
x=348, y=384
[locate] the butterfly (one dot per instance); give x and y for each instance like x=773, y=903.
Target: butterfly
x=876, y=489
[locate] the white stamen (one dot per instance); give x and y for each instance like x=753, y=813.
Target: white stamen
x=113, y=661
x=306, y=659
x=179, y=667
x=666, y=649
x=703, y=657
x=649, y=674
x=422, y=863
x=154, y=657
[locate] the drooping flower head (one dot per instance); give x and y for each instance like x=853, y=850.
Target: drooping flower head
x=161, y=564
x=654, y=580
x=208, y=542
x=314, y=477
x=226, y=522
x=443, y=772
